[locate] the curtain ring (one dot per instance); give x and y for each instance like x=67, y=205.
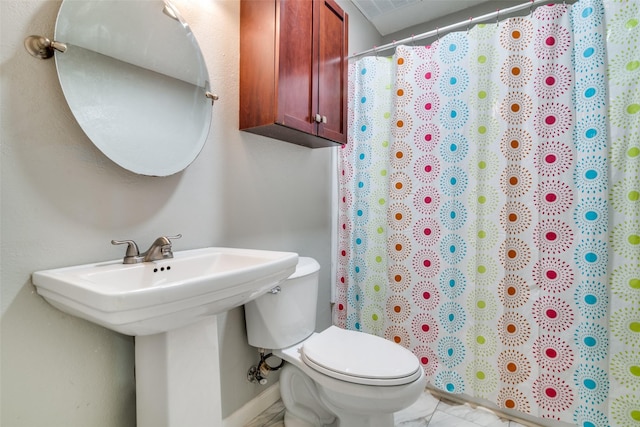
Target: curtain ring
x=375, y=50
x=469, y=24
x=497, y=17
x=438, y=32
x=531, y=8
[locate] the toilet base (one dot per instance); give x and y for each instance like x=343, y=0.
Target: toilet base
x=291, y=420
x=307, y=406
x=301, y=400
x=358, y=419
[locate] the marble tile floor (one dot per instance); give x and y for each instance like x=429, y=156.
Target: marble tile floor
x=427, y=411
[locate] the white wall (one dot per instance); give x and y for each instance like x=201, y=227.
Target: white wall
x=63, y=202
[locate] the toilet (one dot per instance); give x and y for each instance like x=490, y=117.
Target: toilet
x=335, y=377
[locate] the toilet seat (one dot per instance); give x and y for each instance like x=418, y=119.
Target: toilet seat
x=360, y=358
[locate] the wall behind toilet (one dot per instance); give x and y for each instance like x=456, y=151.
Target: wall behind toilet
x=63, y=202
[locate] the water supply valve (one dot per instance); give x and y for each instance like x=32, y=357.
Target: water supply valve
x=258, y=373
x=255, y=376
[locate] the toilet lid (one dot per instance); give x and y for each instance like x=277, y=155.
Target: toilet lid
x=360, y=358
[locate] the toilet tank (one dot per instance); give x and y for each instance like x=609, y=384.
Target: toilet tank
x=286, y=317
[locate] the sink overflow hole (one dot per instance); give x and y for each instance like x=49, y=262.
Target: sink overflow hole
x=168, y=267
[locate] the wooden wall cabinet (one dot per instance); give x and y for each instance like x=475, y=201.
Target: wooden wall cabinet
x=293, y=71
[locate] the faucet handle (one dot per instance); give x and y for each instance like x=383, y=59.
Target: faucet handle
x=177, y=236
x=132, y=248
x=133, y=253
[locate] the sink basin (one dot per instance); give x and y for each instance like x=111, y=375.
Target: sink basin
x=155, y=297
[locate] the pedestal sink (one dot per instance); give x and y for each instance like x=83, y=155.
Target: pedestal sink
x=170, y=306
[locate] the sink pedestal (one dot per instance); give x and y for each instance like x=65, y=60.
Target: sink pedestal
x=178, y=377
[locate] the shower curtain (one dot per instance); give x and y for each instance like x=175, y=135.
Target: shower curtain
x=489, y=215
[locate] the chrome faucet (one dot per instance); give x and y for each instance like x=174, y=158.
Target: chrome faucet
x=160, y=249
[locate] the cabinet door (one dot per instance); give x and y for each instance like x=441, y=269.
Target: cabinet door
x=331, y=32
x=297, y=95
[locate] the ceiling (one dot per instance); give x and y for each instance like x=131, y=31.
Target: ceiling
x=389, y=16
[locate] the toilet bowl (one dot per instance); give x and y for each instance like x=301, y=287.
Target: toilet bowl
x=335, y=377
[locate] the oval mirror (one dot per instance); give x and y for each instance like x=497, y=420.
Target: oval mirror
x=136, y=82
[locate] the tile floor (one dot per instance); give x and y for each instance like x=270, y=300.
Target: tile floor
x=427, y=411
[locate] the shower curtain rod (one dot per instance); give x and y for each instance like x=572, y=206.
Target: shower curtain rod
x=444, y=30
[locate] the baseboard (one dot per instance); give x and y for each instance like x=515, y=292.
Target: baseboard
x=253, y=408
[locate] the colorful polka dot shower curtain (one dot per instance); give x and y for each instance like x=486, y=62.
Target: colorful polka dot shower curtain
x=490, y=210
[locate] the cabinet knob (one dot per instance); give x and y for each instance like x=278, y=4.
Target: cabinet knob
x=320, y=119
